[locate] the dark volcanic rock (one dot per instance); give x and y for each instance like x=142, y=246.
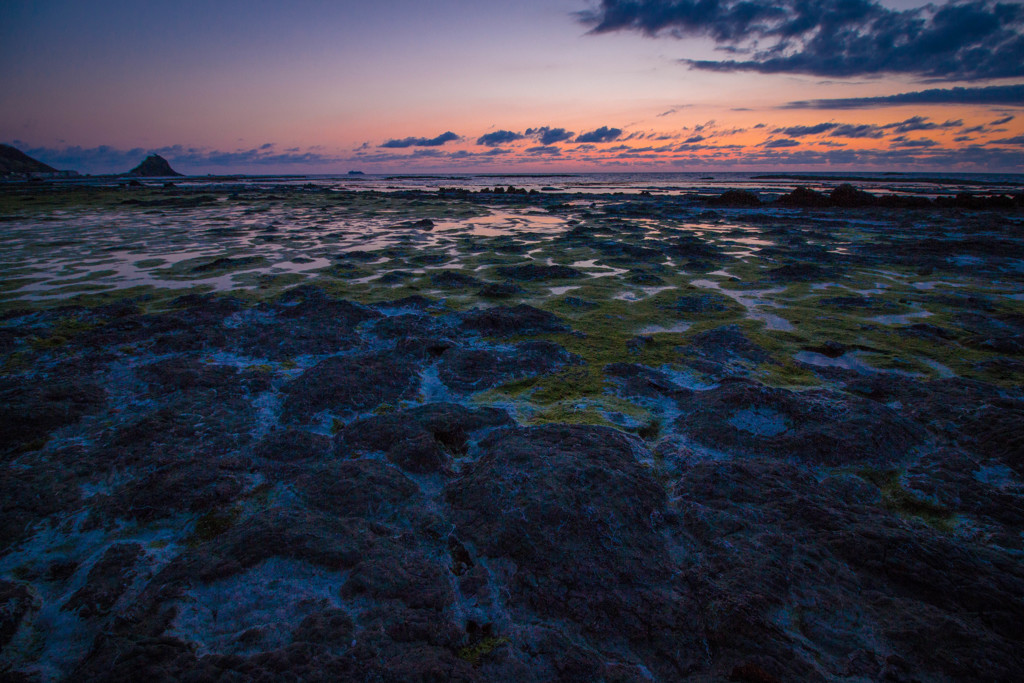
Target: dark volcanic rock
x=628, y=254
x=192, y=486
x=979, y=417
x=771, y=534
x=420, y=440
x=797, y=272
x=500, y=290
x=107, y=581
x=803, y=197
x=289, y=445
x=453, y=279
x=954, y=480
x=17, y=602
x=224, y=263
x=469, y=370
x=351, y=384
x=846, y=195
x=357, y=488
x=502, y=321
x=699, y=303
x=30, y=412
x=724, y=351
x=185, y=373
x=738, y=198
x=820, y=427
x=533, y=272
x=30, y=495
x=577, y=514
x=640, y=381
x=153, y=166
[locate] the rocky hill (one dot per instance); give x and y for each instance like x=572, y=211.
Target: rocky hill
x=15, y=162
x=153, y=166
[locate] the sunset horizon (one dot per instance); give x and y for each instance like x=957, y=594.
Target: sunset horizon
x=568, y=86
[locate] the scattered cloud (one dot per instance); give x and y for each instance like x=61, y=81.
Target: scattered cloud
x=921, y=123
x=421, y=142
x=781, y=142
x=498, y=137
x=857, y=130
x=995, y=94
x=1019, y=140
x=962, y=40
x=923, y=142
x=1005, y=119
x=602, y=134
x=803, y=131
x=544, y=150
x=549, y=136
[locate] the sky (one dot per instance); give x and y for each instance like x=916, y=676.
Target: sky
x=404, y=86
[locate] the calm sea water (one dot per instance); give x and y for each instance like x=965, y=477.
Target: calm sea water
x=766, y=183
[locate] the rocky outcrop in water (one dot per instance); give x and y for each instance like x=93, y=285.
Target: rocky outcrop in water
x=153, y=166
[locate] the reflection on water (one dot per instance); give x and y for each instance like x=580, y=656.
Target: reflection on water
x=115, y=248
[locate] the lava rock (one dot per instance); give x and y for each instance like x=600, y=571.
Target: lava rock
x=350, y=384
x=18, y=602
x=357, y=488
x=420, y=440
x=108, y=579
x=469, y=370
x=502, y=321
x=817, y=426
x=534, y=273
x=577, y=514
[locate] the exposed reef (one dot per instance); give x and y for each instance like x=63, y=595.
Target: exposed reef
x=294, y=433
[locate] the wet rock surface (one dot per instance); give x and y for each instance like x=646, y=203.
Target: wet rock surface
x=469, y=370
x=818, y=427
x=497, y=471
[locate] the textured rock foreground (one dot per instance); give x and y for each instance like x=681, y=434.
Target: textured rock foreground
x=296, y=432
x=313, y=489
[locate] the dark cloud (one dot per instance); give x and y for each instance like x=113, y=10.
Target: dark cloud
x=901, y=142
x=995, y=94
x=781, y=142
x=544, y=150
x=966, y=40
x=802, y=131
x=921, y=123
x=602, y=134
x=857, y=130
x=421, y=142
x=695, y=138
x=549, y=136
x=999, y=122
x=498, y=137
x=1019, y=140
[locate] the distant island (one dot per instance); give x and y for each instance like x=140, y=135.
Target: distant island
x=153, y=166
x=15, y=163
x=356, y=173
